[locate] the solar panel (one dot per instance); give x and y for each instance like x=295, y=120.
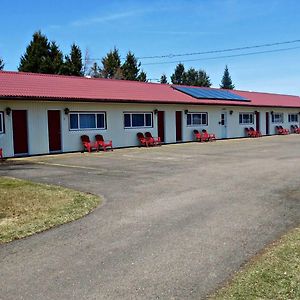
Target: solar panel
x=204, y=93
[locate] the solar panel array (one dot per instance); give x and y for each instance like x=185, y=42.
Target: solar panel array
x=203, y=93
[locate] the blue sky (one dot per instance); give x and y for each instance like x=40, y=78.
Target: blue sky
x=167, y=27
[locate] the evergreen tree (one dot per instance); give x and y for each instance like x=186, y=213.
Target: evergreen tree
x=1, y=64
x=163, y=79
x=95, y=71
x=226, y=82
x=36, y=57
x=112, y=65
x=131, y=67
x=191, y=77
x=178, y=77
x=142, y=77
x=56, y=59
x=203, y=79
x=73, y=62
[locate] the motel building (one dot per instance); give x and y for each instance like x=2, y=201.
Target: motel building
x=42, y=114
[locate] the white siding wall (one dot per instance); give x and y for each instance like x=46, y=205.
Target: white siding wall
x=38, y=126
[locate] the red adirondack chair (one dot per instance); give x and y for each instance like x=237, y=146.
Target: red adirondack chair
x=211, y=136
x=295, y=129
x=143, y=141
x=100, y=143
x=152, y=140
x=87, y=143
x=281, y=131
x=1, y=153
x=197, y=135
x=255, y=133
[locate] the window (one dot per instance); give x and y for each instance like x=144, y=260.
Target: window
x=137, y=120
x=85, y=121
x=196, y=119
x=246, y=118
x=293, y=118
x=1, y=122
x=277, y=118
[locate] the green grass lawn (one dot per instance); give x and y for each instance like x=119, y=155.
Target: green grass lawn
x=27, y=207
x=275, y=274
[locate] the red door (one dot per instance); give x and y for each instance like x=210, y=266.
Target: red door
x=178, y=126
x=267, y=124
x=161, y=125
x=257, y=120
x=20, y=135
x=54, y=131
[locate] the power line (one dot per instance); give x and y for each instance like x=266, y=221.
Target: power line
x=218, y=57
x=219, y=51
x=213, y=51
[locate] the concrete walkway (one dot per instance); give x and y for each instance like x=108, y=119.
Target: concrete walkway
x=176, y=221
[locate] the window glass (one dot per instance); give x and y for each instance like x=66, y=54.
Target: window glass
x=87, y=121
x=100, y=121
x=277, y=118
x=293, y=117
x=127, y=122
x=74, y=121
x=1, y=123
x=246, y=118
x=189, y=121
x=195, y=119
x=133, y=120
x=148, y=118
x=137, y=120
x=80, y=121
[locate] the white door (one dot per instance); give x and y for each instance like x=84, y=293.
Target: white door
x=223, y=123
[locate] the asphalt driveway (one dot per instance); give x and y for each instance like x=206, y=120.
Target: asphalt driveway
x=175, y=223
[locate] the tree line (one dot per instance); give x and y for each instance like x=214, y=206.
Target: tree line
x=44, y=56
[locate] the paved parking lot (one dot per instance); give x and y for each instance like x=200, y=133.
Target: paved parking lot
x=175, y=223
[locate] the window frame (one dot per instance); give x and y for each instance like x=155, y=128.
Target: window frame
x=294, y=115
x=2, y=122
x=246, y=113
x=280, y=121
x=137, y=113
x=196, y=113
x=78, y=113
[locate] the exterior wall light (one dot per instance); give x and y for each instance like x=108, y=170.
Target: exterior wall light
x=66, y=110
x=231, y=112
x=8, y=110
x=255, y=111
x=272, y=112
x=155, y=111
x=186, y=111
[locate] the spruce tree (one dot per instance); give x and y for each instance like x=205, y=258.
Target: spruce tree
x=73, y=62
x=226, y=82
x=178, y=76
x=163, y=79
x=112, y=64
x=1, y=64
x=131, y=67
x=203, y=79
x=191, y=77
x=36, y=57
x=142, y=77
x=95, y=71
x=56, y=59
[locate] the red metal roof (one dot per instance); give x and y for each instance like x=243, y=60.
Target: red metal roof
x=21, y=85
